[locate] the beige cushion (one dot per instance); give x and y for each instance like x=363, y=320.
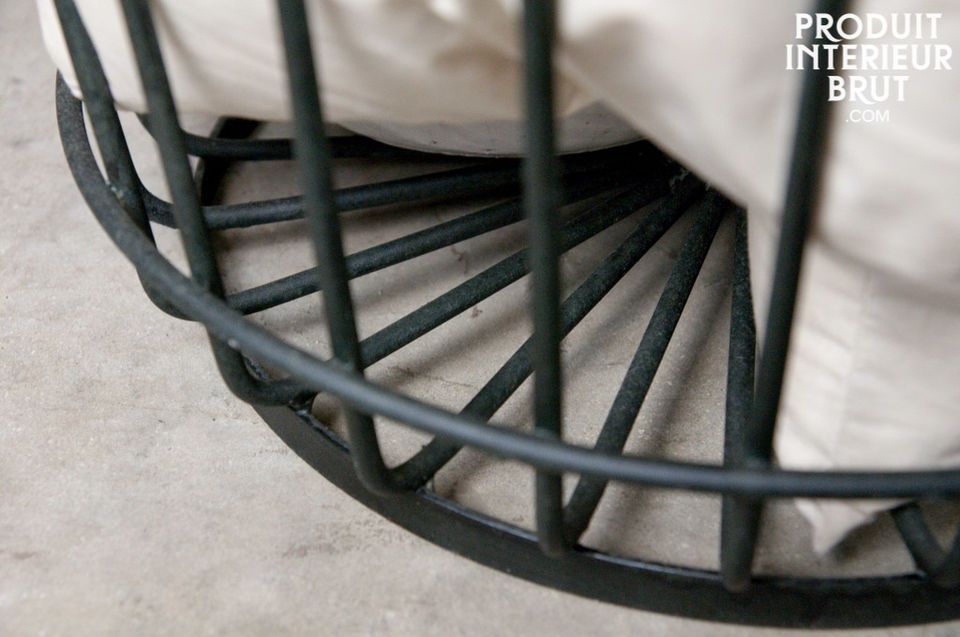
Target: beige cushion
x=395, y=71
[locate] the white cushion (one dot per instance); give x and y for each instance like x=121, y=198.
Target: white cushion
x=395, y=71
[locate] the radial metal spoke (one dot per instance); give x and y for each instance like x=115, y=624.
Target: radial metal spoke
x=484, y=179
x=402, y=249
x=646, y=360
x=405, y=330
x=421, y=467
x=186, y=205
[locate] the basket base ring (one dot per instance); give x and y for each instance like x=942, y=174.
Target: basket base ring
x=685, y=592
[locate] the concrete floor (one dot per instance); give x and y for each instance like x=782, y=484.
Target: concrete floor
x=137, y=496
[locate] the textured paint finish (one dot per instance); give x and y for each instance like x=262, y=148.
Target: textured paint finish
x=138, y=497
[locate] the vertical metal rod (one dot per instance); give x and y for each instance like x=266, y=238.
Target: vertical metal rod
x=312, y=152
x=541, y=197
x=739, y=516
x=98, y=99
x=111, y=141
x=803, y=192
x=187, y=209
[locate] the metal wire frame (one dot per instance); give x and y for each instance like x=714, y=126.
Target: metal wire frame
x=636, y=177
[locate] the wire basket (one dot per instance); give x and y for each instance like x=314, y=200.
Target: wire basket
x=616, y=183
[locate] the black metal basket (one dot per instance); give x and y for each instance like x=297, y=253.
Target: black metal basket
x=628, y=178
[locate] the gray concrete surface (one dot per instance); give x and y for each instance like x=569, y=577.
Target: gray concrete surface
x=138, y=497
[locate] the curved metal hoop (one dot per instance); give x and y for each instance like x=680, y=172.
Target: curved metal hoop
x=125, y=209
